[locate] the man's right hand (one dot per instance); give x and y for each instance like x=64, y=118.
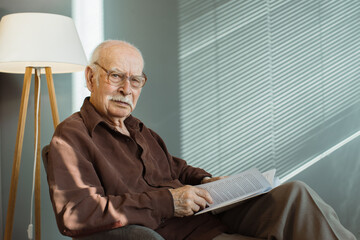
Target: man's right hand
x=189, y=200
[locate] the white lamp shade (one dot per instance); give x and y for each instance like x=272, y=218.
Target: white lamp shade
x=40, y=40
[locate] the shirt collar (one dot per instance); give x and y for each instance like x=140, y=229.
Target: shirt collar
x=92, y=118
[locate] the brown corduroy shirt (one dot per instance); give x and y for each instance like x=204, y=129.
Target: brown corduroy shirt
x=100, y=179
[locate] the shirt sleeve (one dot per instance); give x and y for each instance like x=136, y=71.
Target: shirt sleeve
x=180, y=169
x=79, y=200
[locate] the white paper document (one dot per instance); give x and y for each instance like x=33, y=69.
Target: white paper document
x=234, y=189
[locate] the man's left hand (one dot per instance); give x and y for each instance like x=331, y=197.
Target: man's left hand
x=211, y=179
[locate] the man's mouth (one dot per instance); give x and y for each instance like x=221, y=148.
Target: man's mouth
x=118, y=101
x=121, y=100
x=122, y=103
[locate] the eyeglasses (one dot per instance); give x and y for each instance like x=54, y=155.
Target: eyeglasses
x=117, y=78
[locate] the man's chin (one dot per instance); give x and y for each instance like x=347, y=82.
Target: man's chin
x=120, y=112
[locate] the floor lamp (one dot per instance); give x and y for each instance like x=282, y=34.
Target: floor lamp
x=36, y=43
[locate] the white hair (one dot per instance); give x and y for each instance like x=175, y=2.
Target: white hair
x=109, y=43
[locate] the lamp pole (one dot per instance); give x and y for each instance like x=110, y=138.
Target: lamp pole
x=19, y=144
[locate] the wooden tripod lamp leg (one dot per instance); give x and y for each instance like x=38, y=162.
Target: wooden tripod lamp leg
x=38, y=164
x=18, y=148
x=55, y=116
x=17, y=155
x=54, y=109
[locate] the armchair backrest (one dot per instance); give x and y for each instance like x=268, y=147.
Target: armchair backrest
x=44, y=154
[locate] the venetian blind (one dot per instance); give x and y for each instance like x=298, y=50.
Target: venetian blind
x=266, y=83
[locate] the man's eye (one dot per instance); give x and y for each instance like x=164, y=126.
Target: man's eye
x=136, y=80
x=116, y=76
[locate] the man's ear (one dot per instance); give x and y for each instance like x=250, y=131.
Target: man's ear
x=90, y=78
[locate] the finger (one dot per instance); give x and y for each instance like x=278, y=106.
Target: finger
x=217, y=178
x=189, y=207
x=222, y=177
x=201, y=202
x=204, y=194
x=185, y=212
x=195, y=207
x=186, y=208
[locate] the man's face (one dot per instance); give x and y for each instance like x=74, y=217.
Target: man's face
x=115, y=102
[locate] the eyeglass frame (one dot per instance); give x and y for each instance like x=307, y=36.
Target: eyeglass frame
x=108, y=72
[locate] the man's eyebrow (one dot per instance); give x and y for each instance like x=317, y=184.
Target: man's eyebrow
x=115, y=69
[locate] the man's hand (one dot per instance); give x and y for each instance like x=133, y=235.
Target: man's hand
x=189, y=199
x=211, y=179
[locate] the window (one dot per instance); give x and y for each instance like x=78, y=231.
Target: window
x=267, y=83
x=89, y=21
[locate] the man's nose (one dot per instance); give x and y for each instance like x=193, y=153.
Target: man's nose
x=125, y=87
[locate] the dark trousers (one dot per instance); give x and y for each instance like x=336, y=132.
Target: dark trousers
x=292, y=211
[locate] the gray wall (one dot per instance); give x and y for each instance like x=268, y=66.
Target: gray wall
x=152, y=27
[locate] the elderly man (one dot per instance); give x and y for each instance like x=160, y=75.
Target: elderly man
x=108, y=172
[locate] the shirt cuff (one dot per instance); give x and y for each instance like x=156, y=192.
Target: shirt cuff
x=163, y=204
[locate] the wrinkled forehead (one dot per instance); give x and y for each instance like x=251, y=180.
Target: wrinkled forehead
x=122, y=58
